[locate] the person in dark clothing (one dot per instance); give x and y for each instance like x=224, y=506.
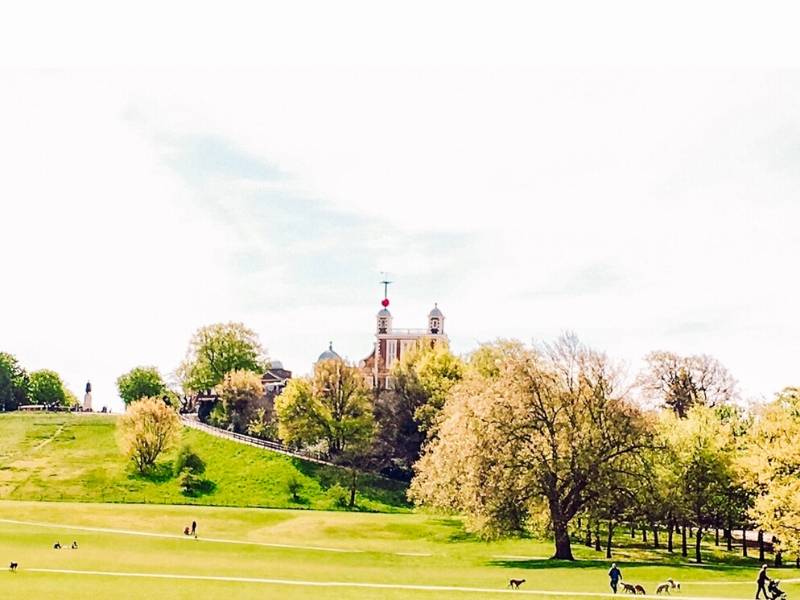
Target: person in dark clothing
x=614, y=574
x=762, y=583
x=194, y=528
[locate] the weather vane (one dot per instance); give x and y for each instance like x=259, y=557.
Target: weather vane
x=385, y=282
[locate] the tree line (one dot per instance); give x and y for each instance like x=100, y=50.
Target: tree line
x=43, y=387
x=554, y=438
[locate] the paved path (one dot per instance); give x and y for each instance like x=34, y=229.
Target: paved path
x=353, y=584
x=173, y=536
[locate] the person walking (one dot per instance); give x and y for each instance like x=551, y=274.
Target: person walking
x=194, y=528
x=614, y=574
x=762, y=583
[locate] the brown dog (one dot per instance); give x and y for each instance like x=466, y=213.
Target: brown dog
x=515, y=583
x=664, y=587
x=639, y=590
x=628, y=588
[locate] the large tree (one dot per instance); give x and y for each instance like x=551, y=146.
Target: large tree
x=408, y=413
x=540, y=427
x=333, y=407
x=47, y=388
x=773, y=463
x=14, y=383
x=147, y=429
x=681, y=382
x=239, y=392
x=215, y=350
x=140, y=382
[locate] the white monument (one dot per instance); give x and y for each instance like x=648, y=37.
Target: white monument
x=87, y=399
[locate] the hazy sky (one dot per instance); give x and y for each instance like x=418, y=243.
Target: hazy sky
x=643, y=207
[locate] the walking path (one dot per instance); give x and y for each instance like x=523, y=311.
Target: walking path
x=173, y=536
x=353, y=584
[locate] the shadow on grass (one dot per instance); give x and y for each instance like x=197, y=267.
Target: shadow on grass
x=159, y=473
x=202, y=488
x=591, y=563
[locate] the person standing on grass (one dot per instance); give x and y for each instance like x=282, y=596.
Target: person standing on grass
x=614, y=574
x=194, y=528
x=762, y=583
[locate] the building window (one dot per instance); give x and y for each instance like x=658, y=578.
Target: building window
x=391, y=352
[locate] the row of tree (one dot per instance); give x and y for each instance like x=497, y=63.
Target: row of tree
x=43, y=387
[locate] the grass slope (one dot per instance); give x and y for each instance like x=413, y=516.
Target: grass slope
x=68, y=457
x=447, y=556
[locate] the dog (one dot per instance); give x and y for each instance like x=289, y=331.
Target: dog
x=675, y=585
x=628, y=588
x=639, y=590
x=74, y=545
x=57, y=546
x=13, y=566
x=664, y=587
x=515, y=583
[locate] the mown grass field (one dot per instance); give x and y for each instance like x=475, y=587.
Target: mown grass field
x=391, y=550
x=75, y=457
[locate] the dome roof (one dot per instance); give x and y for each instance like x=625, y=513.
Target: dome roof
x=276, y=364
x=329, y=354
x=435, y=312
x=384, y=313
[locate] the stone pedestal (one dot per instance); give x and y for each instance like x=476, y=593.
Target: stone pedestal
x=87, y=402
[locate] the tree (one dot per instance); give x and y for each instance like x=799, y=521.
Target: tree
x=701, y=455
x=407, y=414
x=547, y=427
x=773, y=463
x=14, y=383
x=46, y=388
x=333, y=407
x=147, y=429
x=215, y=350
x=239, y=392
x=140, y=382
x=680, y=382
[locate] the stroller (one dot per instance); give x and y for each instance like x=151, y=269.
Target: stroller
x=775, y=592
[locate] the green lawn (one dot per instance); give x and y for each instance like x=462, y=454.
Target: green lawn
x=378, y=546
x=74, y=457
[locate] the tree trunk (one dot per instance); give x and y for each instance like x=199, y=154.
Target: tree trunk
x=580, y=523
x=729, y=536
x=560, y=532
x=644, y=534
x=760, y=546
x=610, y=536
x=670, y=531
x=588, y=541
x=633, y=530
x=597, y=545
x=698, y=538
x=744, y=541
x=797, y=562
x=716, y=536
x=353, y=487
x=683, y=540
x=779, y=559
x=655, y=535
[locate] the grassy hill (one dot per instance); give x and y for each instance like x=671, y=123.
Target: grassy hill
x=74, y=457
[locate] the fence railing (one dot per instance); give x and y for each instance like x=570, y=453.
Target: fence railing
x=254, y=441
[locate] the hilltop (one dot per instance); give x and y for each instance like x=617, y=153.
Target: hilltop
x=74, y=457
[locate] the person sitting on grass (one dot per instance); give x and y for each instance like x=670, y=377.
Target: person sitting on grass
x=614, y=574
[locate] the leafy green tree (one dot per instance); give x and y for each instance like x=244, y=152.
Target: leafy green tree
x=140, y=382
x=14, y=383
x=47, y=388
x=408, y=413
x=550, y=428
x=333, y=407
x=773, y=463
x=215, y=350
x=239, y=392
x=147, y=429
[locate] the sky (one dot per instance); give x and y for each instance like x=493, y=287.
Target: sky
x=268, y=170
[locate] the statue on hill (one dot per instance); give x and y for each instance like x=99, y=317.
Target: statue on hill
x=87, y=399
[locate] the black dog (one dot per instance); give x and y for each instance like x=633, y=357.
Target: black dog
x=13, y=566
x=57, y=546
x=515, y=583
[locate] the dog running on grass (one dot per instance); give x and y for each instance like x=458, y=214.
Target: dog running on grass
x=13, y=566
x=639, y=590
x=628, y=588
x=515, y=583
x=675, y=585
x=664, y=587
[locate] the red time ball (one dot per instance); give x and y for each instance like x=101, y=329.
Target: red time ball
x=385, y=302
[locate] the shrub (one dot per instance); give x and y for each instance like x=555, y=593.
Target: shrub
x=189, y=460
x=190, y=483
x=147, y=429
x=338, y=496
x=295, y=486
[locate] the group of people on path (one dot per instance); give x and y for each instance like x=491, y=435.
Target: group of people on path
x=763, y=581
x=192, y=531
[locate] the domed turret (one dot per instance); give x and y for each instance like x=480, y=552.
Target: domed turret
x=436, y=321
x=384, y=321
x=329, y=354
